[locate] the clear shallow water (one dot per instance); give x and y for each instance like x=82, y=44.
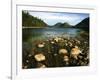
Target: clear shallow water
x=32, y=37
x=45, y=33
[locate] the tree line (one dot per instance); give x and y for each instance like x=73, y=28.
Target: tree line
x=31, y=21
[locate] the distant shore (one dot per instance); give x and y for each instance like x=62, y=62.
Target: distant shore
x=32, y=27
x=46, y=27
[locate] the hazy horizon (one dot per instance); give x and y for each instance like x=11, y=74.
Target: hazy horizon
x=52, y=18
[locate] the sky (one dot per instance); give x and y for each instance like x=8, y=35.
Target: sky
x=52, y=18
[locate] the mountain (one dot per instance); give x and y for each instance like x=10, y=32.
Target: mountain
x=31, y=21
x=62, y=25
x=83, y=24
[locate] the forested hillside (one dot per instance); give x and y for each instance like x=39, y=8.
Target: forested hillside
x=31, y=21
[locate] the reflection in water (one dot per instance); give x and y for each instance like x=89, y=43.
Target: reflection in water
x=45, y=33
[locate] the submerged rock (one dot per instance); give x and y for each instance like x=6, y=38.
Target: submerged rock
x=40, y=65
x=66, y=58
x=57, y=39
x=39, y=57
x=75, y=52
x=63, y=51
x=70, y=44
x=25, y=67
x=41, y=45
x=52, y=42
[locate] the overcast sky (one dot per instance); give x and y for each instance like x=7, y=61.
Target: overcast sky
x=52, y=18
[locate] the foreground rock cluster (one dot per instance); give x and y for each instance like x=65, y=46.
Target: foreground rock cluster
x=56, y=52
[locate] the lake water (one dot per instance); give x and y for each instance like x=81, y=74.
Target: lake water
x=45, y=33
x=33, y=38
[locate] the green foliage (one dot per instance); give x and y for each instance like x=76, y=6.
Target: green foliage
x=31, y=21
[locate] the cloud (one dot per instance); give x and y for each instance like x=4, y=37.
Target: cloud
x=52, y=18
